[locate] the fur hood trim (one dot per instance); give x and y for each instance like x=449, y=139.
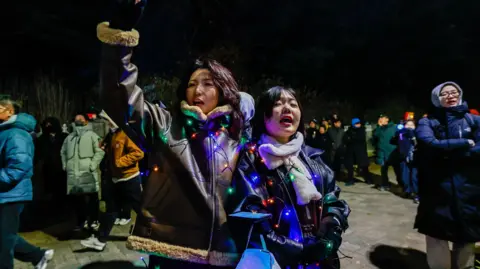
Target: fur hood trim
x=199, y=256
x=117, y=37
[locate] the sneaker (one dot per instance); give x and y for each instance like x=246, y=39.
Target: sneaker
x=85, y=225
x=95, y=225
x=117, y=222
x=48, y=256
x=124, y=221
x=93, y=243
x=416, y=200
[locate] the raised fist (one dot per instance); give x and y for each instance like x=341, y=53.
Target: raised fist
x=126, y=13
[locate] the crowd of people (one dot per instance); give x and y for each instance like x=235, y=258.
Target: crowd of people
x=227, y=177
x=394, y=145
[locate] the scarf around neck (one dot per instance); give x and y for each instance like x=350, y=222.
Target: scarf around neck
x=276, y=154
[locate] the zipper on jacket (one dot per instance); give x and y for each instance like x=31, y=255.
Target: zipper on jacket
x=211, y=170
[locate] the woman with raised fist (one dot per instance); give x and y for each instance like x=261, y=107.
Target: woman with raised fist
x=193, y=149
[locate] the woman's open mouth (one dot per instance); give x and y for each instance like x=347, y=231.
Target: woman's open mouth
x=286, y=120
x=198, y=102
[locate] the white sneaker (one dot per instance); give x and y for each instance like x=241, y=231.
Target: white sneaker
x=93, y=243
x=48, y=256
x=95, y=225
x=124, y=221
x=117, y=221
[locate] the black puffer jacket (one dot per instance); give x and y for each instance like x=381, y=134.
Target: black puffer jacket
x=183, y=216
x=292, y=224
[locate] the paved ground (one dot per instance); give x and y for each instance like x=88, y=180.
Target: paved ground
x=381, y=236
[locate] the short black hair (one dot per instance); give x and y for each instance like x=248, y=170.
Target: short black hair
x=85, y=115
x=265, y=108
x=383, y=116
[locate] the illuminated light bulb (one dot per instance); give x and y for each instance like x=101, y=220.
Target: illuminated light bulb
x=189, y=122
x=271, y=201
x=226, y=165
x=223, y=128
x=230, y=190
x=320, y=207
x=217, y=133
x=400, y=126
x=194, y=135
x=292, y=177
x=263, y=161
x=287, y=213
x=276, y=226
x=216, y=147
x=270, y=182
x=264, y=202
x=155, y=168
x=210, y=134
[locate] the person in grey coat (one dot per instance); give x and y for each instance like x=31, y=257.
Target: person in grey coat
x=81, y=156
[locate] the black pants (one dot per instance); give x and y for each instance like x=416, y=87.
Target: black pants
x=11, y=245
x=155, y=262
x=384, y=173
x=365, y=173
x=116, y=196
x=86, y=207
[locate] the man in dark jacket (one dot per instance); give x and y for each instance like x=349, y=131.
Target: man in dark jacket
x=324, y=142
x=311, y=133
x=356, y=151
x=406, y=141
x=16, y=169
x=47, y=154
x=336, y=134
x=449, y=186
x=382, y=137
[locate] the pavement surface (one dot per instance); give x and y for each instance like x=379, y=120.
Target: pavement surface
x=381, y=235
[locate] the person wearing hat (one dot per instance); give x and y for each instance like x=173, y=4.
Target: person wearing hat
x=336, y=133
x=381, y=139
x=356, y=151
x=448, y=182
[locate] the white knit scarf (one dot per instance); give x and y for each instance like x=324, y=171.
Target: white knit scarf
x=275, y=154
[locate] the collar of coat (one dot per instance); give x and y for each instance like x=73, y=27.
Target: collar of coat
x=196, y=113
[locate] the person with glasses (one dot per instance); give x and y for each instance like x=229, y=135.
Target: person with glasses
x=449, y=187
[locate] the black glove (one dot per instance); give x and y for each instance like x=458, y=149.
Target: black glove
x=330, y=231
x=126, y=14
x=317, y=249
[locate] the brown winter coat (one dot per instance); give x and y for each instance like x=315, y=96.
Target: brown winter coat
x=125, y=156
x=183, y=215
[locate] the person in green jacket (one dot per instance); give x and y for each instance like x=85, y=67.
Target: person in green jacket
x=382, y=136
x=81, y=157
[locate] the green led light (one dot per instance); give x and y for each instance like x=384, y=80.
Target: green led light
x=230, y=190
x=189, y=122
x=291, y=176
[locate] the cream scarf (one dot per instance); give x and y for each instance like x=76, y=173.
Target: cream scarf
x=275, y=154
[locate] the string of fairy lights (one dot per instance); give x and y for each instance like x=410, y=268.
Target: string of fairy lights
x=254, y=177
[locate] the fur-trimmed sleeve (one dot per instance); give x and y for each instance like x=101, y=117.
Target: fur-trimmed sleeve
x=122, y=100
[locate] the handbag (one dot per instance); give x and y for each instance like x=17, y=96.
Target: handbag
x=254, y=257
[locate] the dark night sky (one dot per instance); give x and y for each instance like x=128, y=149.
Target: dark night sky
x=352, y=48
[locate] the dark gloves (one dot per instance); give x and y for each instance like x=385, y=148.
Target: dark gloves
x=126, y=14
x=325, y=244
